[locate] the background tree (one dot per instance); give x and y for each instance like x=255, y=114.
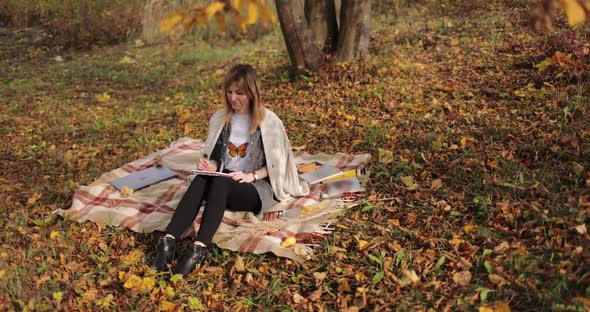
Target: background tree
x=312, y=34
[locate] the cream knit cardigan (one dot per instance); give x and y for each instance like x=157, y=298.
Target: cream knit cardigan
x=280, y=161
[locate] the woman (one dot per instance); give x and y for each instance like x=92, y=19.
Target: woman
x=249, y=142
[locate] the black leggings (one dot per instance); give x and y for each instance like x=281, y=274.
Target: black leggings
x=221, y=193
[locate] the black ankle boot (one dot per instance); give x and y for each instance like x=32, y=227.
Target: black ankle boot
x=193, y=256
x=164, y=253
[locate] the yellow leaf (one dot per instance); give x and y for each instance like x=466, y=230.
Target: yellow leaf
x=497, y=279
x=238, y=4
x=133, y=282
x=54, y=234
x=147, y=283
x=33, y=199
x=58, y=295
x=126, y=191
x=167, y=306
x=496, y=307
x=252, y=13
x=289, y=241
x=469, y=228
x=360, y=277
x=133, y=257
x=239, y=265
x=363, y=244
x=103, y=98
x=266, y=14
x=213, y=8
x=455, y=241
x=408, y=181
x=170, y=291
x=170, y=21
x=385, y=156
x=126, y=60
x=121, y=275
x=574, y=11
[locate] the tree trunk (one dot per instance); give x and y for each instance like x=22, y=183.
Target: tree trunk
x=302, y=51
x=321, y=21
x=311, y=27
x=354, y=34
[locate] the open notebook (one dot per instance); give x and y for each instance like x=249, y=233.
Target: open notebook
x=141, y=179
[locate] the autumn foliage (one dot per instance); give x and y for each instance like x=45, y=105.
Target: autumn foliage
x=479, y=196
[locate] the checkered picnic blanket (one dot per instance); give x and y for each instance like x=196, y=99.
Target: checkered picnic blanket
x=150, y=209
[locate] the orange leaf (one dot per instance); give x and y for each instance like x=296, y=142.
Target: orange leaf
x=213, y=8
x=168, y=22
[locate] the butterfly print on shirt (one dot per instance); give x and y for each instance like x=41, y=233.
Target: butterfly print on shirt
x=237, y=151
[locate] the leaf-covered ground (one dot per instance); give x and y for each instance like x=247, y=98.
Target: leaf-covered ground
x=480, y=187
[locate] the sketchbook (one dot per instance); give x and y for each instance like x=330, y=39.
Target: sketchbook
x=320, y=174
x=350, y=185
x=211, y=173
x=141, y=179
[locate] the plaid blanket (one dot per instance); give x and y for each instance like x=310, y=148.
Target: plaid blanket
x=150, y=209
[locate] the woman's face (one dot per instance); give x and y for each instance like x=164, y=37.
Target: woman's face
x=238, y=98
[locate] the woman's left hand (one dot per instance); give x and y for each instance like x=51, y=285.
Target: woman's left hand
x=242, y=177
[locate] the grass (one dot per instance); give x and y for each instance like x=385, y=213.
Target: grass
x=445, y=91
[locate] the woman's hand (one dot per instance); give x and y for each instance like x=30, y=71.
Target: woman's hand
x=242, y=177
x=206, y=165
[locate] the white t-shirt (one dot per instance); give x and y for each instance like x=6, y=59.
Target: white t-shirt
x=238, y=149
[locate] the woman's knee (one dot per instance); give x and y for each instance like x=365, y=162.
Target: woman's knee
x=219, y=182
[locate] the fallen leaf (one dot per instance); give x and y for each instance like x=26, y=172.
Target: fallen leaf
x=126, y=60
x=385, y=156
x=408, y=277
x=54, y=234
x=288, y=241
x=469, y=228
x=319, y=277
x=103, y=98
x=301, y=251
x=33, y=199
x=316, y=294
x=581, y=229
x=409, y=182
x=363, y=244
x=496, y=307
x=436, y=184
x=126, y=191
x=297, y=298
x=239, y=264
x=249, y=279
x=498, y=280
x=462, y=278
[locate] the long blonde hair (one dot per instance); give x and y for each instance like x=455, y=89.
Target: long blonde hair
x=245, y=76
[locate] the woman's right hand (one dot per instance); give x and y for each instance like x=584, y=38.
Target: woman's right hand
x=205, y=165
